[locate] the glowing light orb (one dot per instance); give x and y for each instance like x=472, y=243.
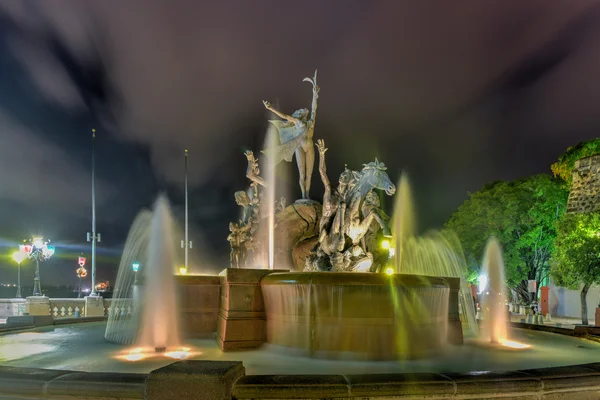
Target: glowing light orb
x=389, y=271
x=513, y=345
x=385, y=244
x=179, y=355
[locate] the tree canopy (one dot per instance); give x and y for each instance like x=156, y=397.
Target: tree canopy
x=576, y=261
x=563, y=168
x=522, y=215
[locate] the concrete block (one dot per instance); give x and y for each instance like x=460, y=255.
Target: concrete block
x=497, y=383
x=291, y=387
x=26, y=382
x=29, y=320
x=570, y=377
x=401, y=385
x=198, y=380
x=94, y=306
x=37, y=305
x=98, y=385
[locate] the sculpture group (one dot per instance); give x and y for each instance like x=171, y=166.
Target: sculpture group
x=351, y=218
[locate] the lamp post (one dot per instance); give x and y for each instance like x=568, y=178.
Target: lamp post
x=93, y=236
x=19, y=256
x=39, y=251
x=186, y=243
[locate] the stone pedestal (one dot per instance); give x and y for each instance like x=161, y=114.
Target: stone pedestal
x=597, y=319
x=94, y=306
x=37, y=305
x=199, y=380
x=199, y=304
x=241, y=323
x=455, y=333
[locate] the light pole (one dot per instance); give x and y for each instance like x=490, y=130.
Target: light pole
x=39, y=251
x=186, y=243
x=93, y=236
x=19, y=256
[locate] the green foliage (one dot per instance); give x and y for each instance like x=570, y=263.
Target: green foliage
x=522, y=215
x=563, y=168
x=577, y=257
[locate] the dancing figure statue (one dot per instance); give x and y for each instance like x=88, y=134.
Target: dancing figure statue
x=296, y=137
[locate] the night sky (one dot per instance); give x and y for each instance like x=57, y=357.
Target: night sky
x=456, y=93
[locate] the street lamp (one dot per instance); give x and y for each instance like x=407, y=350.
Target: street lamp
x=186, y=244
x=93, y=236
x=135, y=266
x=19, y=256
x=39, y=251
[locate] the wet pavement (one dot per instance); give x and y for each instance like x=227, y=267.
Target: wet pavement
x=82, y=347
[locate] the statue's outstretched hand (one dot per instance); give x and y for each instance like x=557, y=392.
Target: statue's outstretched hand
x=321, y=146
x=267, y=105
x=249, y=155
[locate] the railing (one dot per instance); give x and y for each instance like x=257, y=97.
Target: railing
x=64, y=308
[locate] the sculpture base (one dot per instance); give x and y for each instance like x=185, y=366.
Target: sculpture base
x=241, y=322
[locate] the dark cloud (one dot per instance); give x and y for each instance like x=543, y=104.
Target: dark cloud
x=458, y=95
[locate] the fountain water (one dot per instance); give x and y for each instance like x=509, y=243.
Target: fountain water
x=144, y=307
x=271, y=142
x=493, y=294
x=435, y=254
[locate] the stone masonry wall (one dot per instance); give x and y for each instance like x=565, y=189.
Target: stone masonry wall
x=585, y=189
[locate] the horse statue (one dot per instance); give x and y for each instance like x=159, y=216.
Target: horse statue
x=347, y=218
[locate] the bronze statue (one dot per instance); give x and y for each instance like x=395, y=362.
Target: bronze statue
x=243, y=233
x=238, y=239
x=348, y=213
x=296, y=137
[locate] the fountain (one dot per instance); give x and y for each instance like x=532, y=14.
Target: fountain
x=493, y=294
x=332, y=312
x=144, y=309
x=436, y=254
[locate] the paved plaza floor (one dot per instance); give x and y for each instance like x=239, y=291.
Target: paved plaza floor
x=82, y=347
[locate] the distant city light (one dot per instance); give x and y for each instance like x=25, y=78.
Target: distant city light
x=135, y=266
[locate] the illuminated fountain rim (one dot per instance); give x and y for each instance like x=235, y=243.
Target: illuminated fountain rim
x=353, y=279
x=331, y=315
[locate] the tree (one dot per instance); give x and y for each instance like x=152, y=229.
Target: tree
x=576, y=261
x=522, y=215
x=563, y=168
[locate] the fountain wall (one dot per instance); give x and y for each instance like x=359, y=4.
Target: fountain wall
x=357, y=316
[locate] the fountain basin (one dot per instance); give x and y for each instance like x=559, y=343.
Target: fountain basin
x=360, y=316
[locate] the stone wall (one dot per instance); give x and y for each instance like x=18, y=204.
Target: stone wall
x=585, y=189
x=226, y=380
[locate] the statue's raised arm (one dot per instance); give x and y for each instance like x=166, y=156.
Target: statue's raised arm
x=313, y=114
x=289, y=118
